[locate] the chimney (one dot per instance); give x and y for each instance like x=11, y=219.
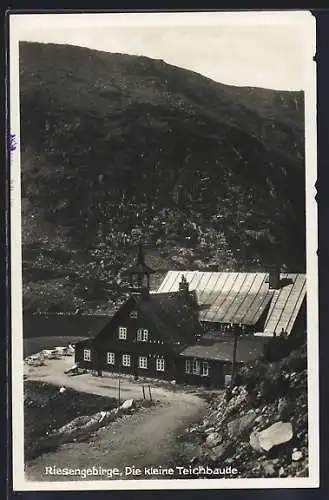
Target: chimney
x=274, y=278
x=184, y=286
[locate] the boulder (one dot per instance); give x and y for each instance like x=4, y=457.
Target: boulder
x=285, y=409
x=98, y=420
x=191, y=430
x=303, y=472
x=254, y=441
x=74, y=425
x=73, y=367
x=282, y=472
x=209, y=430
x=256, y=470
x=103, y=415
x=296, y=455
x=219, y=452
x=86, y=423
x=240, y=425
x=213, y=439
x=126, y=405
x=270, y=468
x=276, y=434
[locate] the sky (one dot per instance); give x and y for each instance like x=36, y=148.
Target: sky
x=268, y=50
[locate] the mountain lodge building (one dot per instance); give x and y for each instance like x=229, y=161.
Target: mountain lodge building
x=185, y=330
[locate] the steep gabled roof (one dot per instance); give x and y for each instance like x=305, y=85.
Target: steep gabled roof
x=227, y=297
x=174, y=315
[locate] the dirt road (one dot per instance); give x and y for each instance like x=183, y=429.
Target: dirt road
x=107, y=385
x=146, y=438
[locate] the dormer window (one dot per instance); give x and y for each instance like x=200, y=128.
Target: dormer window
x=133, y=315
x=122, y=333
x=142, y=335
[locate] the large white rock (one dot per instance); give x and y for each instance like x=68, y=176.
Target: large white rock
x=278, y=433
x=127, y=404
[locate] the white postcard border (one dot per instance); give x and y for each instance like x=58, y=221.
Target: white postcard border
x=307, y=23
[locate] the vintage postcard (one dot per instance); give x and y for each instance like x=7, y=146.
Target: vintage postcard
x=163, y=251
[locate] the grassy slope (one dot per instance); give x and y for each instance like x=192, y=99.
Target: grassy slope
x=46, y=410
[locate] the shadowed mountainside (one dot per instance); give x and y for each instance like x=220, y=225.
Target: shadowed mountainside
x=115, y=145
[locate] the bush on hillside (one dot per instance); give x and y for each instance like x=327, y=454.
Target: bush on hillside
x=280, y=347
x=267, y=380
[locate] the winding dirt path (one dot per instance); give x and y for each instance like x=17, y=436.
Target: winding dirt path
x=144, y=439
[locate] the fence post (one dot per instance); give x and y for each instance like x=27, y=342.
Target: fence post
x=143, y=391
x=150, y=393
x=119, y=385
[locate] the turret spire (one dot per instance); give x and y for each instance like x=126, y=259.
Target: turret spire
x=139, y=275
x=140, y=260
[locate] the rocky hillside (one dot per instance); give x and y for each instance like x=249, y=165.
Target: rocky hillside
x=261, y=428
x=115, y=145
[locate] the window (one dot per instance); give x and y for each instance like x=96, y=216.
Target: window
x=126, y=360
x=142, y=362
x=110, y=358
x=86, y=355
x=188, y=366
x=122, y=333
x=196, y=367
x=142, y=335
x=160, y=364
x=133, y=315
x=204, y=369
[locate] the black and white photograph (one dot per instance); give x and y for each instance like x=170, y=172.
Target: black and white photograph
x=163, y=250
